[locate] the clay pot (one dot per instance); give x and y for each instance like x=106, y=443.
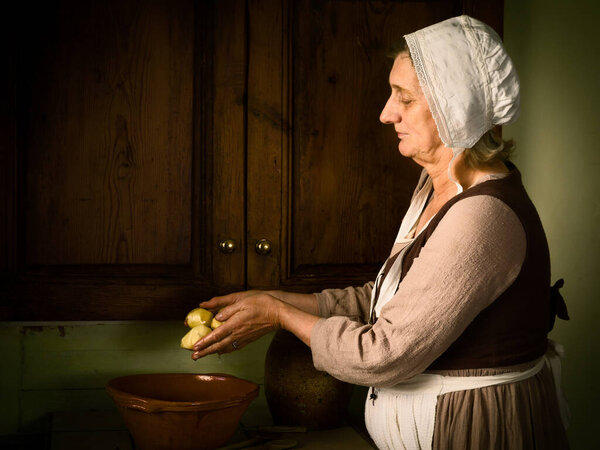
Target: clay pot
x=181, y=411
x=297, y=393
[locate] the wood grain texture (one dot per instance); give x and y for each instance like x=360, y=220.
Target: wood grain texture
x=114, y=172
x=489, y=11
x=202, y=162
x=105, y=299
x=228, y=150
x=144, y=133
x=350, y=185
x=266, y=129
x=8, y=158
x=8, y=152
x=108, y=134
x=324, y=176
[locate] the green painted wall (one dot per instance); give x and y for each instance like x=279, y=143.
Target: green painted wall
x=50, y=367
x=556, y=47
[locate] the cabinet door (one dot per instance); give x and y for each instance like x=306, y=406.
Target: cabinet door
x=326, y=184
x=141, y=135
x=117, y=199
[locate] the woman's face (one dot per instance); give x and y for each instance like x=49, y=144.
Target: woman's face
x=408, y=111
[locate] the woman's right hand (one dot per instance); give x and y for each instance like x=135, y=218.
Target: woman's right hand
x=246, y=316
x=244, y=319
x=217, y=303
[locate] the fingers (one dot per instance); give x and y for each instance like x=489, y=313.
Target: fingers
x=216, y=302
x=213, y=337
x=226, y=346
x=243, y=322
x=226, y=312
x=225, y=300
x=217, y=342
x=222, y=339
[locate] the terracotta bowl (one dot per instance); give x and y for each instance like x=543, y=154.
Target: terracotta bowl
x=181, y=410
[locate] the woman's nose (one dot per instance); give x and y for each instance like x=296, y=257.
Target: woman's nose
x=387, y=115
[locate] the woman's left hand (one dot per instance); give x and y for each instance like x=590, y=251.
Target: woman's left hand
x=244, y=321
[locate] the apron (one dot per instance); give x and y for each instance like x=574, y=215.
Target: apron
x=402, y=417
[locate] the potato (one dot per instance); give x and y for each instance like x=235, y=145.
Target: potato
x=194, y=335
x=215, y=323
x=198, y=316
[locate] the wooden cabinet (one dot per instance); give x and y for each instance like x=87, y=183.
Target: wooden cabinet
x=140, y=135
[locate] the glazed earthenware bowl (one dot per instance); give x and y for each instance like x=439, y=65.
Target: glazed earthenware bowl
x=181, y=410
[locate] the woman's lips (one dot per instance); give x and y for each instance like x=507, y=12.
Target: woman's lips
x=401, y=135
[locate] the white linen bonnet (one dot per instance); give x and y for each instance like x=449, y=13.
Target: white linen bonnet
x=468, y=79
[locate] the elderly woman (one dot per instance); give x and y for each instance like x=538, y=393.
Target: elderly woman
x=452, y=336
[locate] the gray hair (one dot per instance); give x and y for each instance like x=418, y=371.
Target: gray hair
x=490, y=149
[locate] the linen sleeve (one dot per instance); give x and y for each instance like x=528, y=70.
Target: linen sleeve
x=474, y=254
x=353, y=302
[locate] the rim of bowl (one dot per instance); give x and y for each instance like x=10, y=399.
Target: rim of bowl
x=150, y=405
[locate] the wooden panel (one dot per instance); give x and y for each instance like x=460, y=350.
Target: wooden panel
x=107, y=130
x=147, y=133
x=229, y=142
x=7, y=173
x=489, y=11
x=105, y=299
x=349, y=187
x=317, y=80
x=267, y=128
x=132, y=137
x=8, y=154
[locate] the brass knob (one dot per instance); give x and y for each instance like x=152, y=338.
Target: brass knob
x=263, y=247
x=227, y=246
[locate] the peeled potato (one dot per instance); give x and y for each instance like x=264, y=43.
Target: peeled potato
x=194, y=335
x=198, y=316
x=215, y=323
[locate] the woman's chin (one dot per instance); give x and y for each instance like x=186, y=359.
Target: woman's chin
x=405, y=150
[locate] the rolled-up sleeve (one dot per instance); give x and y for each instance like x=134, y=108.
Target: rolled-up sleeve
x=474, y=254
x=349, y=302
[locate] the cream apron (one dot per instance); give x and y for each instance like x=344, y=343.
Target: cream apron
x=402, y=417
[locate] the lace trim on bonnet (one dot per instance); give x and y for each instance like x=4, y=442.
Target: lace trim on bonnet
x=425, y=82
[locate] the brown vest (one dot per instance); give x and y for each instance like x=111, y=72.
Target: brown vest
x=513, y=329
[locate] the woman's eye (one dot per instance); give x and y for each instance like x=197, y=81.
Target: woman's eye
x=407, y=102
